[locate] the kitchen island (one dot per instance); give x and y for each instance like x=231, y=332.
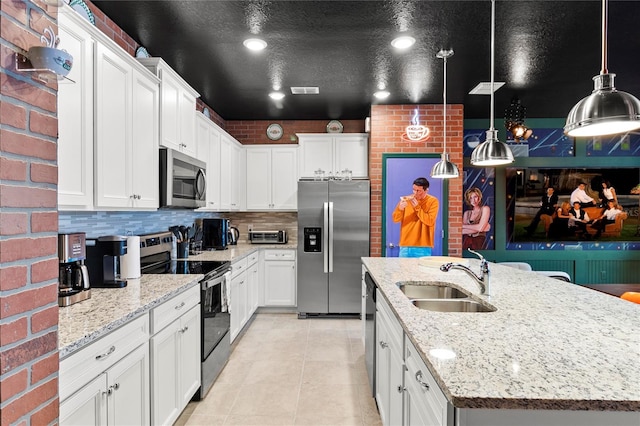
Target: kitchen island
x=549, y=345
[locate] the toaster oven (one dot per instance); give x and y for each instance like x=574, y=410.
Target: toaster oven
x=268, y=237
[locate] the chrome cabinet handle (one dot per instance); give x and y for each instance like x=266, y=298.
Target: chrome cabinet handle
x=383, y=344
x=184, y=329
x=420, y=381
x=112, y=349
x=401, y=389
x=180, y=306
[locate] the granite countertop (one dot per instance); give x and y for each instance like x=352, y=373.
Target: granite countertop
x=109, y=308
x=550, y=344
x=239, y=251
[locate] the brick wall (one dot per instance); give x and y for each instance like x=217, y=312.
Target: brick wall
x=28, y=225
x=254, y=132
x=388, y=123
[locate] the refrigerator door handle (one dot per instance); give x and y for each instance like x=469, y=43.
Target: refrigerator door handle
x=325, y=237
x=330, y=254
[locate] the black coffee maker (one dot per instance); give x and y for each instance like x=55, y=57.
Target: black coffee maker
x=103, y=261
x=73, y=277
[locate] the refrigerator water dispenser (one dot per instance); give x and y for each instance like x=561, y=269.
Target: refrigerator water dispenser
x=312, y=240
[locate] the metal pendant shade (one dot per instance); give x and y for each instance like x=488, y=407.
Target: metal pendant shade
x=606, y=111
x=444, y=169
x=492, y=152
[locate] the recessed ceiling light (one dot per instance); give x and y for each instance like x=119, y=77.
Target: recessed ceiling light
x=276, y=95
x=381, y=94
x=254, y=44
x=403, y=42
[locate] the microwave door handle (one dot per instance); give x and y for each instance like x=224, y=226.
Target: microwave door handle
x=201, y=177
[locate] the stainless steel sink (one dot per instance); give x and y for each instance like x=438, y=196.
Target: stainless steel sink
x=452, y=305
x=431, y=290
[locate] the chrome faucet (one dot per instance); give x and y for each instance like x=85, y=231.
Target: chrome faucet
x=483, y=281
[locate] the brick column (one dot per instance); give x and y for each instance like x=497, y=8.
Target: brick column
x=388, y=123
x=28, y=225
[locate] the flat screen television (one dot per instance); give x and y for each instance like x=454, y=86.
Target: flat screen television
x=526, y=188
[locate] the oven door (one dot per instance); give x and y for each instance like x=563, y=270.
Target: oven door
x=215, y=313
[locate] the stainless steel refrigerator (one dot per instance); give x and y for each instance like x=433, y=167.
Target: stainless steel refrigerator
x=333, y=234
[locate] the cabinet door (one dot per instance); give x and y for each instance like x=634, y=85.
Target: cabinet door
x=128, y=389
x=316, y=153
x=113, y=129
x=88, y=406
x=187, y=117
x=259, y=182
x=169, y=110
x=396, y=383
x=189, y=355
x=203, y=125
x=280, y=283
x=75, y=119
x=165, y=370
x=238, y=176
x=253, y=283
x=284, y=178
x=238, y=312
x=383, y=371
x=144, y=151
x=213, y=170
x=225, y=173
x=351, y=152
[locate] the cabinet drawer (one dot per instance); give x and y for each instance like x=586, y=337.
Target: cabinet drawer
x=431, y=399
x=83, y=366
x=238, y=266
x=279, y=255
x=172, y=309
x=252, y=258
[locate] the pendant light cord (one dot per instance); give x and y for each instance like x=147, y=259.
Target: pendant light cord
x=444, y=108
x=493, y=41
x=605, y=20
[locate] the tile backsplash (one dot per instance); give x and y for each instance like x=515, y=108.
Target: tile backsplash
x=98, y=223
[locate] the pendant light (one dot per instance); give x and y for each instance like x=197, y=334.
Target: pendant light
x=606, y=111
x=444, y=169
x=492, y=152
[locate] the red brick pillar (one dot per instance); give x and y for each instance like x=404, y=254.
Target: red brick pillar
x=28, y=225
x=388, y=123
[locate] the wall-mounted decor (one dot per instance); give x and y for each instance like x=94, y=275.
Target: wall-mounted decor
x=478, y=227
x=530, y=228
x=543, y=143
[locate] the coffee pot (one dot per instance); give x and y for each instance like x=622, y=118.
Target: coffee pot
x=103, y=260
x=73, y=275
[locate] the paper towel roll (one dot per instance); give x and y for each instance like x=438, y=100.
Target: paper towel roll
x=130, y=262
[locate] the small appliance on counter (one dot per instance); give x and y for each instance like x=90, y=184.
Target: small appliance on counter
x=215, y=234
x=74, y=284
x=103, y=260
x=268, y=237
x=234, y=235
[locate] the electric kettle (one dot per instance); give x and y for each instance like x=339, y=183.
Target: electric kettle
x=233, y=235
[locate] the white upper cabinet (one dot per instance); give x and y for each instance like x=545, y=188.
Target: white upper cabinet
x=272, y=177
x=126, y=129
x=208, y=136
x=177, y=108
x=333, y=153
x=75, y=117
x=108, y=124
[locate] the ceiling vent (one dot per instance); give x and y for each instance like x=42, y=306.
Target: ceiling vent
x=309, y=90
x=484, y=88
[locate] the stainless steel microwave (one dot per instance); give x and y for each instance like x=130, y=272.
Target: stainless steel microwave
x=183, y=180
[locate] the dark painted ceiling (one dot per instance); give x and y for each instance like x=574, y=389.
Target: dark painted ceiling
x=546, y=52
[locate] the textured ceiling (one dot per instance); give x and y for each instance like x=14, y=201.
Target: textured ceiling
x=546, y=52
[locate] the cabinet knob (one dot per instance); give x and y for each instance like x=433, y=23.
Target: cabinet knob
x=401, y=389
x=384, y=345
x=420, y=381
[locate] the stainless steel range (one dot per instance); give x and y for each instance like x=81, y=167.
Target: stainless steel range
x=155, y=258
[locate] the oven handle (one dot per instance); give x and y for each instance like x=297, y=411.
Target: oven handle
x=214, y=281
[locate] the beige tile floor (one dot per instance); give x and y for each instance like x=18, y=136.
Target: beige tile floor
x=287, y=371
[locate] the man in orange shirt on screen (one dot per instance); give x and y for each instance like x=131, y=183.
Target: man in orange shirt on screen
x=417, y=215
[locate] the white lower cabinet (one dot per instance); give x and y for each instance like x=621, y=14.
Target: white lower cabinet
x=253, y=280
x=279, y=277
x=175, y=355
x=389, y=365
x=424, y=402
x=238, y=295
x=107, y=382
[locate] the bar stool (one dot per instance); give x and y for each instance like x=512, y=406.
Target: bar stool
x=559, y=275
x=631, y=296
